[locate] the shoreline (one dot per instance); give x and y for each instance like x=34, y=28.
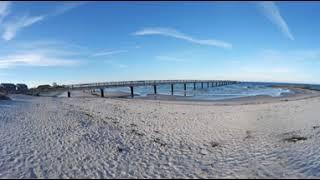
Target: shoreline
x=299, y=94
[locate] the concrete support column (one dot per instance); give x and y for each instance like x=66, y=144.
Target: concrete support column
x=155, y=89
x=102, y=92
x=171, y=89
x=131, y=89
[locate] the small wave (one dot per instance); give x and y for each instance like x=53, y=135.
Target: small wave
x=221, y=92
x=5, y=105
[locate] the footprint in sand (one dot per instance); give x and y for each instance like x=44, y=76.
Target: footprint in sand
x=214, y=144
x=248, y=135
x=137, y=133
x=159, y=141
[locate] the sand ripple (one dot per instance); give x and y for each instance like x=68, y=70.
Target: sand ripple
x=47, y=137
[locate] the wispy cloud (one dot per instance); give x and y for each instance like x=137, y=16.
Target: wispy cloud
x=298, y=55
x=40, y=54
x=260, y=70
x=169, y=59
x=297, y=66
x=12, y=26
x=176, y=34
x=271, y=11
x=115, y=64
x=106, y=53
x=54, y=47
x=67, y=6
x=4, y=9
x=33, y=59
x=122, y=65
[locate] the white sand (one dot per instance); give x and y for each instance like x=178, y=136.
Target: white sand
x=45, y=137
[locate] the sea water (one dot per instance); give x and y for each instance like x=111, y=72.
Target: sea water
x=244, y=89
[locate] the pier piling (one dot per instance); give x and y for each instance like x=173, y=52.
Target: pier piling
x=155, y=89
x=131, y=89
x=102, y=92
x=172, y=89
x=96, y=86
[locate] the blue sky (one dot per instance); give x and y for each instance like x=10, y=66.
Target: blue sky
x=80, y=42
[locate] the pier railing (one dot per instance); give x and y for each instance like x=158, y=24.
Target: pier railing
x=141, y=83
x=153, y=83
x=132, y=84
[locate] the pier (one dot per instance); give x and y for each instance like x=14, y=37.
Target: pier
x=154, y=83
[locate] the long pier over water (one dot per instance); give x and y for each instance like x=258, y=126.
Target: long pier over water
x=153, y=83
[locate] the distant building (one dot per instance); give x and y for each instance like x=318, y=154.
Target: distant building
x=8, y=87
x=22, y=88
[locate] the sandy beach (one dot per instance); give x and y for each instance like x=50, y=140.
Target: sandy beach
x=92, y=137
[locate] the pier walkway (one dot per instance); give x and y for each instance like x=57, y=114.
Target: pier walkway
x=153, y=83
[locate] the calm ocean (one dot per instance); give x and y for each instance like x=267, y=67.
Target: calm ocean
x=215, y=93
